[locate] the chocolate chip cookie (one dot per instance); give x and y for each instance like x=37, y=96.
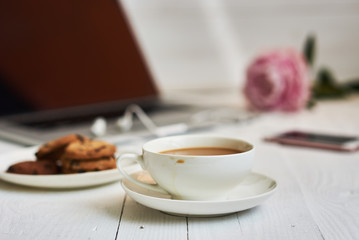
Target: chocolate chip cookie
x=43, y=167
x=54, y=149
x=87, y=150
x=80, y=166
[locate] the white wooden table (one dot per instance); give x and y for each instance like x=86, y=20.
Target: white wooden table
x=317, y=195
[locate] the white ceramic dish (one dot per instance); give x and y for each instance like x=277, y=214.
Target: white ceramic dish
x=56, y=181
x=252, y=191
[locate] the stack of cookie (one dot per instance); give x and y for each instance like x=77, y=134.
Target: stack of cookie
x=73, y=153
x=88, y=156
x=47, y=157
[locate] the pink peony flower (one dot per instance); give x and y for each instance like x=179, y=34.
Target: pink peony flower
x=278, y=80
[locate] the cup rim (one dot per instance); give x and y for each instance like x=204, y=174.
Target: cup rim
x=145, y=146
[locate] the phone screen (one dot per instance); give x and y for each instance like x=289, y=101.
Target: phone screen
x=319, y=138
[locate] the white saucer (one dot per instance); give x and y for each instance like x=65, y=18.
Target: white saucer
x=252, y=191
x=77, y=180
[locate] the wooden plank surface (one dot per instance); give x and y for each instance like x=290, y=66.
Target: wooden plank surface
x=317, y=195
x=91, y=213
x=140, y=222
x=330, y=184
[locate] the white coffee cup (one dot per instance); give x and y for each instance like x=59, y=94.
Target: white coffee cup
x=193, y=177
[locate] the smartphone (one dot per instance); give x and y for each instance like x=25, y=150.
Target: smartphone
x=317, y=140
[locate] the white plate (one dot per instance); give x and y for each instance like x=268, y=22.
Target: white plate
x=252, y=191
x=59, y=180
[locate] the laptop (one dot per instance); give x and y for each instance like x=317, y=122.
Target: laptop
x=64, y=63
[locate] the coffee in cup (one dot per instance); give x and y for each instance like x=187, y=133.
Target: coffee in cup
x=202, y=151
x=193, y=167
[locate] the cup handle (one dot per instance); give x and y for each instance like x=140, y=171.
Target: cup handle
x=139, y=159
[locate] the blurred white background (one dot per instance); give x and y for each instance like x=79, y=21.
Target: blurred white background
x=193, y=44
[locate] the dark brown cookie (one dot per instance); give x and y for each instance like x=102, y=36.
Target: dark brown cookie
x=89, y=150
x=43, y=167
x=79, y=166
x=54, y=149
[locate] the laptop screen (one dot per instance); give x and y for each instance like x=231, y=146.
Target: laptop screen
x=63, y=54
